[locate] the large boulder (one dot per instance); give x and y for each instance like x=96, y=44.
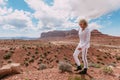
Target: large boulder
x=9, y=69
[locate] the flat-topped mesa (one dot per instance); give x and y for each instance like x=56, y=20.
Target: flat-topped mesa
x=97, y=33
x=57, y=33
x=69, y=33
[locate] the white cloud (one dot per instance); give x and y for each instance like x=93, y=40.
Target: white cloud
x=93, y=8
x=16, y=22
x=94, y=25
x=51, y=17
x=9, y=27
x=58, y=15
x=5, y=10
x=3, y=2
x=15, y=18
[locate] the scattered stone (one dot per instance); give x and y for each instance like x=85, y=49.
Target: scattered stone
x=9, y=69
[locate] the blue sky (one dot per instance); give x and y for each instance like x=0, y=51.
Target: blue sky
x=19, y=4
x=110, y=24
x=29, y=18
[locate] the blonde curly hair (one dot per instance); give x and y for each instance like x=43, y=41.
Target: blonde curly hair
x=84, y=22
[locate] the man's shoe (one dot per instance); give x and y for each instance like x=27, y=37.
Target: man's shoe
x=78, y=68
x=84, y=71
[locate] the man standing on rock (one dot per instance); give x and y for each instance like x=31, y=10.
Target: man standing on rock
x=83, y=45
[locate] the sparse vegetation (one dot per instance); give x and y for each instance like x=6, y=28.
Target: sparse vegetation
x=99, y=58
x=27, y=79
x=36, y=52
x=41, y=55
x=105, y=57
x=42, y=66
x=64, y=66
x=33, y=56
x=9, y=61
x=57, y=61
x=117, y=57
x=31, y=60
x=107, y=70
x=7, y=55
x=26, y=63
x=95, y=65
x=29, y=53
x=65, y=58
x=75, y=78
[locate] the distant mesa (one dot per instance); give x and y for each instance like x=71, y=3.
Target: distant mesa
x=69, y=33
x=57, y=33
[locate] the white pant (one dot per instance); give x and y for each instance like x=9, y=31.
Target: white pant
x=84, y=56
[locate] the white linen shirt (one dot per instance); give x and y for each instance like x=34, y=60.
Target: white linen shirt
x=84, y=37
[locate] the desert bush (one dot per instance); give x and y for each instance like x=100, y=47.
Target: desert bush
x=29, y=47
x=9, y=61
x=36, y=49
x=42, y=66
x=48, y=52
x=45, y=54
x=99, y=58
x=6, y=51
x=51, y=60
x=42, y=56
x=57, y=61
x=31, y=60
x=26, y=63
x=10, y=48
x=119, y=77
x=64, y=66
x=117, y=57
x=105, y=57
x=36, y=52
x=107, y=69
x=75, y=78
x=55, y=56
x=27, y=79
x=28, y=54
x=33, y=56
x=94, y=65
x=7, y=55
x=82, y=65
x=65, y=58
x=23, y=46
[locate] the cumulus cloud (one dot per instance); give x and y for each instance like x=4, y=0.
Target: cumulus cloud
x=19, y=19
x=9, y=27
x=5, y=10
x=50, y=16
x=93, y=8
x=94, y=25
x=60, y=12
x=3, y=2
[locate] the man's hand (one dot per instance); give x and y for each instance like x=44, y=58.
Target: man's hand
x=79, y=49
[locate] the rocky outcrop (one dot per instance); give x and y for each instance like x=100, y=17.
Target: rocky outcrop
x=69, y=33
x=58, y=33
x=96, y=33
x=9, y=69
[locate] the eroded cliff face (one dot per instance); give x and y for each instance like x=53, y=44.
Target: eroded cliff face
x=69, y=33
x=58, y=33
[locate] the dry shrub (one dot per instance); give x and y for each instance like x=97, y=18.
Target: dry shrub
x=64, y=66
x=42, y=66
